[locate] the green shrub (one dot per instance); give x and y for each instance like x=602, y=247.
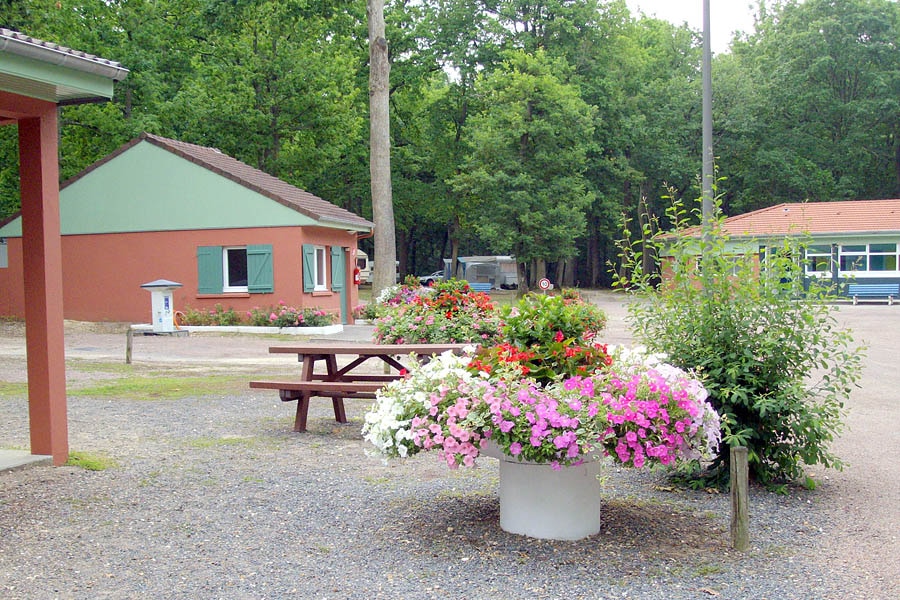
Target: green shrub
x=365, y=311
x=538, y=319
x=771, y=354
x=193, y=316
x=270, y=316
x=217, y=316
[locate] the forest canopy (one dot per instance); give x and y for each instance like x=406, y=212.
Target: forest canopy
x=529, y=127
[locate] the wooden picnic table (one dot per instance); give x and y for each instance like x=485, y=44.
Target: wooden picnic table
x=347, y=381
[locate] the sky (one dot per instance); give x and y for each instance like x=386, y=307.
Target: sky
x=725, y=16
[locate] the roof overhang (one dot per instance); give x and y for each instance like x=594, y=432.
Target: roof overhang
x=815, y=234
x=36, y=69
x=351, y=227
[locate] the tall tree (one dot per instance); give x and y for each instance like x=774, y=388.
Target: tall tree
x=525, y=169
x=380, y=149
x=273, y=84
x=828, y=118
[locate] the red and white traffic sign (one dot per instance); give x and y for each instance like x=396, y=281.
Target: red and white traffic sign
x=544, y=284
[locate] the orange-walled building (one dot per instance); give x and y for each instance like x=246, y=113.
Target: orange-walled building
x=230, y=234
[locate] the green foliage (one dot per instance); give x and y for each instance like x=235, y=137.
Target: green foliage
x=526, y=166
x=551, y=128
x=366, y=311
x=777, y=365
x=218, y=316
x=809, y=107
x=539, y=319
x=556, y=360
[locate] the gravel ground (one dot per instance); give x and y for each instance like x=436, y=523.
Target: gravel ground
x=215, y=497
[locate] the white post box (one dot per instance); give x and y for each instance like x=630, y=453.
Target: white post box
x=162, y=304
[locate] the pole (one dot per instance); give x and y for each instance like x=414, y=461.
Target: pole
x=708, y=176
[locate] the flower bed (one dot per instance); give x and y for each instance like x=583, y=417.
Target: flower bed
x=277, y=317
x=448, y=312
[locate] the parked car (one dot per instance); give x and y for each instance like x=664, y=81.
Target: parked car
x=429, y=280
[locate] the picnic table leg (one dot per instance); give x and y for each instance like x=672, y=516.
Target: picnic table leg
x=307, y=368
x=339, y=414
x=302, y=410
x=337, y=402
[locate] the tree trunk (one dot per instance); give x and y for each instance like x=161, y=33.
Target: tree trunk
x=523, y=279
x=594, y=263
x=453, y=235
x=404, y=250
x=380, y=150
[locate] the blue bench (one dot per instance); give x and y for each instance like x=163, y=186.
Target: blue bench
x=873, y=290
x=480, y=287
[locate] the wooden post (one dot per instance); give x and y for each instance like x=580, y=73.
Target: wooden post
x=740, y=515
x=129, y=340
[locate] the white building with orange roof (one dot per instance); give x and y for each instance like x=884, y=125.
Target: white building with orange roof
x=853, y=243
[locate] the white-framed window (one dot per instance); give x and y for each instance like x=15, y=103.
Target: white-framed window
x=818, y=260
x=321, y=265
x=852, y=258
x=883, y=257
x=878, y=257
x=315, y=268
x=234, y=269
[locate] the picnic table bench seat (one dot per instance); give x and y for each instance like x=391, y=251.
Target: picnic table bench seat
x=291, y=390
x=302, y=391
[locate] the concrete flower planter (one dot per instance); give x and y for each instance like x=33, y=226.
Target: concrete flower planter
x=540, y=502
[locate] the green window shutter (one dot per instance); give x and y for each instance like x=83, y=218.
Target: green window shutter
x=309, y=267
x=209, y=270
x=338, y=271
x=260, y=276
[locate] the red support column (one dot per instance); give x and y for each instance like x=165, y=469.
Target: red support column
x=42, y=250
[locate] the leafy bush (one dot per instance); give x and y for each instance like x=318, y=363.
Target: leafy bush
x=366, y=311
x=548, y=338
x=217, y=316
x=539, y=319
x=771, y=354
